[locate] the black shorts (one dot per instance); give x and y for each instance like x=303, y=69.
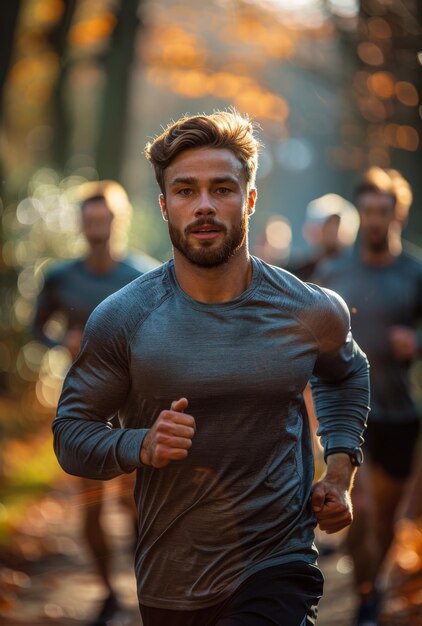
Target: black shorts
x=286, y=595
x=392, y=446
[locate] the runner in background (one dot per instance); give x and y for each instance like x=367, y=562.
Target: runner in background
x=72, y=290
x=382, y=285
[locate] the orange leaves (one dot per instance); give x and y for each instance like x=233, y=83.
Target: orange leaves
x=245, y=92
x=91, y=30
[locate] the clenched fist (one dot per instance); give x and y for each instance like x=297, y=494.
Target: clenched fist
x=170, y=437
x=331, y=499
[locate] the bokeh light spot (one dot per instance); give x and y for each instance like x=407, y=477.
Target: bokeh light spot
x=295, y=155
x=93, y=30
x=379, y=28
x=27, y=211
x=382, y=84
x=408, y=138
x=407, y=93
x=344, y=565
x=278, y=233
x=370, y=53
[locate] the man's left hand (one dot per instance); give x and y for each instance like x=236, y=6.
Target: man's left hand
x=331, y=500
x=332, y=506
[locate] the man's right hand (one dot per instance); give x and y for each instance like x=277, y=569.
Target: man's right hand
x=170, y=437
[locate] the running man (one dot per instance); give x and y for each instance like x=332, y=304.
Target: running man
x=205, y=359
x=383, y=287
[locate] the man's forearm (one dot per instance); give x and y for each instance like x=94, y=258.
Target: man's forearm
x=92, y=449
x=340, y=470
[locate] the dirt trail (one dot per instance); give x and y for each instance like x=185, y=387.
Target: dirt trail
x=48, y=578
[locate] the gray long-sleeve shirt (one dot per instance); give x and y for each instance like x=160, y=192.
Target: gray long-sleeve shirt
x=240, y=501
x=72, y=289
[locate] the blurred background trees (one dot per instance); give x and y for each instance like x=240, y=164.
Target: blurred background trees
x=334, y=84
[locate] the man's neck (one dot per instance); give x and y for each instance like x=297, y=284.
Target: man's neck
x=99, y=259
x=217, y=284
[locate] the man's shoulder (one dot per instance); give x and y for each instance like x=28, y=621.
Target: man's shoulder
x=322, y=312
x=61, y=270
x=296, y=292
x=280, y=279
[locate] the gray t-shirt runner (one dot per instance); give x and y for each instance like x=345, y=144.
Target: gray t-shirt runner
x=72, y=289
x=240, y=501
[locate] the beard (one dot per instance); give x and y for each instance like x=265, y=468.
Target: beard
x=208, y=254
x=377, y=245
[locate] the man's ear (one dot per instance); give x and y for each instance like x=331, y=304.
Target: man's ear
x=252, y=196
x=162, y=201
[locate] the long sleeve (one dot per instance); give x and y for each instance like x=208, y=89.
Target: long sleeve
x=340, y=381
x=95, y=388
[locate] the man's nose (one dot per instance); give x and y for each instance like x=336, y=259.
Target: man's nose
x=205, y=205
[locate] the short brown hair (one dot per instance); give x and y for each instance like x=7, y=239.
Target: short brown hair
x=376, y=180
x=113, y=194
x=221, y=129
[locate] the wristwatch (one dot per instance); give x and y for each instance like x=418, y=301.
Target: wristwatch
x=355, y=454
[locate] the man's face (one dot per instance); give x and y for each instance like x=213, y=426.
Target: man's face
x=376, y=216
x=207, y=205
x=96, y=222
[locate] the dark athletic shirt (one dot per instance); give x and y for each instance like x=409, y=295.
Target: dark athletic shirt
x=378, y=298
x=72, y=289
x=240, y=501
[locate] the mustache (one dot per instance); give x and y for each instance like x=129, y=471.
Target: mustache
x=203, y=221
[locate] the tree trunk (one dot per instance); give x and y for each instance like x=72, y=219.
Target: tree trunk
x=113, y=118
x=60, y=117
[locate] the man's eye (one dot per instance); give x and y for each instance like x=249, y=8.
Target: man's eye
x=224, y=190
x=184, y=192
